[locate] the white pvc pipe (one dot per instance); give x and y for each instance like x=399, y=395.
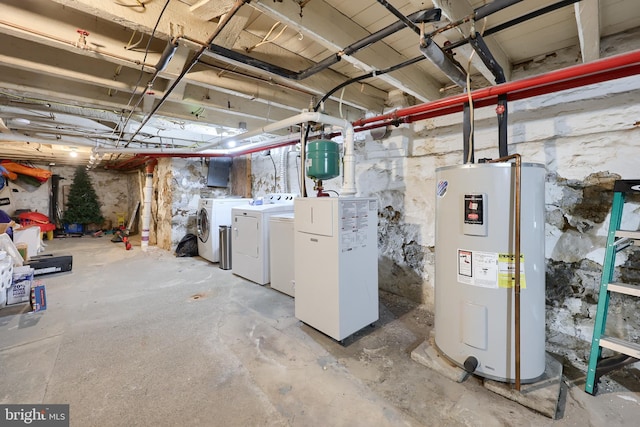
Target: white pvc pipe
x=283, y=170
x=349, y=159
x=146, y=209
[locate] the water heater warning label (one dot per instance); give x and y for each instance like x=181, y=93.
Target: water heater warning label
x=507, y=269
x=489, y=269
x=478, y=268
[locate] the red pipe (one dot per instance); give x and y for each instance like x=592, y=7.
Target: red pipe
x=151, y=164
x=615, y=67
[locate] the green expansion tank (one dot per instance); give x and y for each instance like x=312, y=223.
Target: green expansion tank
x=323, y=159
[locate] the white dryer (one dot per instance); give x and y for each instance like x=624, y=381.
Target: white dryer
x=250, y=236
x=212, y=213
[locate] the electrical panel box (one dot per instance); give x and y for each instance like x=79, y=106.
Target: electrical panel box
x=336, y=263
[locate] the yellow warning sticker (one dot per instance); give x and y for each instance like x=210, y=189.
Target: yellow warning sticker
x=506, y=271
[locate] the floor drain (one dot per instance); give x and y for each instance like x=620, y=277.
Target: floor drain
x=197, y=296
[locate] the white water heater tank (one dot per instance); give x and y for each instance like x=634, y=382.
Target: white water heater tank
x=474, y=277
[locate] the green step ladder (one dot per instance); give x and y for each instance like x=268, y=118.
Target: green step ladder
x=628, y=352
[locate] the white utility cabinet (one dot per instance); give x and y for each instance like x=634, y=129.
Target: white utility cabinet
x=336, y=263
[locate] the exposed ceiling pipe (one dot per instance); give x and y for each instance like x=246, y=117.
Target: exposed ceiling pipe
x=449, y=47
x=270, y=128
x=606, y=69
x=443, y=61
x=221, y=25
x=348, y=186
x=87, y=48
x=167, y=54
x=481, y=48
x=612, y=68
x=405, y=20
x=430, y=49
x=516, y=21
x=493, y=7
x=428, y=15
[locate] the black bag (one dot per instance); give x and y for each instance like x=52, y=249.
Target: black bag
x=188, y=246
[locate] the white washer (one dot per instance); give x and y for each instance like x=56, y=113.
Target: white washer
x=250, y=237
x=281, y=248
x=212, y=213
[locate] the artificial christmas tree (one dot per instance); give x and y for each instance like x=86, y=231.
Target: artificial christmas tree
x=83, y=206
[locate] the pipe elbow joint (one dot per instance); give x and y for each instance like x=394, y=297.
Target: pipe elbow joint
x=470, y=364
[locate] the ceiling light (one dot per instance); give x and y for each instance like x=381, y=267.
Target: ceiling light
x=231, y=144
x=73, y=152
x=21, y=121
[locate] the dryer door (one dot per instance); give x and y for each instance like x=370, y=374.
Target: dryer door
x=204, y=225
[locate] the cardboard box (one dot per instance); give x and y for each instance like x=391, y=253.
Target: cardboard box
x=20, y=289
x=4, y=226
x=38, y=297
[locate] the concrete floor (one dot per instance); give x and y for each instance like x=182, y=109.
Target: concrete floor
x=132, y=338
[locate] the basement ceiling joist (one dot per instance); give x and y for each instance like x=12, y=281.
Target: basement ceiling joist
x=93, y=59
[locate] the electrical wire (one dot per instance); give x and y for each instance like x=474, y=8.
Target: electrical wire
x=265, y=38
x=471, y=110
x=137, y=85
x=275, y=173
x=298, y=174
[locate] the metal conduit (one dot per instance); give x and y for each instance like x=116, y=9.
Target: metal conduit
x=611, y=68
x=493, y=7
x=223, y=23
x=515, y=21
x=517, y=238
x=603, y=70
x=428, y=15
x=449, y=47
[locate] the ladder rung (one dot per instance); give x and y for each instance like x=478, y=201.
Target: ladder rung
x=635, y=235
x=624, y=288
x=621, y=346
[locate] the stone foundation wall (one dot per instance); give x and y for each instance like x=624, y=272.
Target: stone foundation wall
x=586, y=138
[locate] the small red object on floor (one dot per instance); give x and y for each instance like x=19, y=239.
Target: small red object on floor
x=127, y=244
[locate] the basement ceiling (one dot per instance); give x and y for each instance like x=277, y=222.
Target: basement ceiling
x=82, y=75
